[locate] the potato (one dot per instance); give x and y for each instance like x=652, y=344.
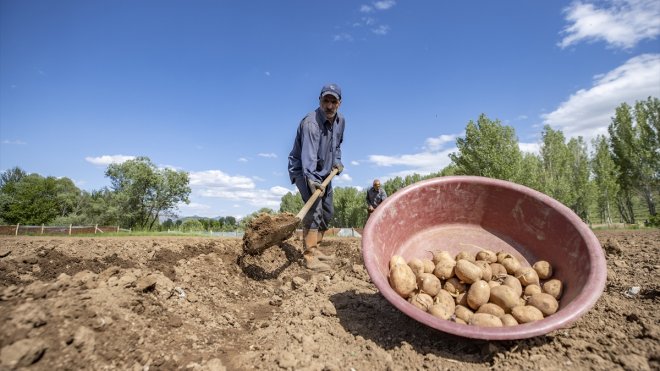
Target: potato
x=491, y=308
x=467, y=271
x=403, y=280
x=508, y=320
x=546, y=303
x=511, y=264
x=442, y=256
x=526, y=314
x=531, y=290
x=429, y=284
x=429, y=266
x=396, y=259
x=444, y=298
x=445, y=269
x=505, y=297
x=501, y=255
x=543, y=269
x=454, y=286
x=486, y=271
x=553, y=287
x=487, y=256
x=440, y=311
x=485, y=320
x=422, y=301
x=498, y=270
x=465, y=255
x=527, y=276
x=416, y=265
x=514, y=283
x=461, y=299
x=478, y=294
x=493, y=283
x=464, y=313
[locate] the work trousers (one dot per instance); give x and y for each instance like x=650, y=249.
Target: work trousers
x=321, y=212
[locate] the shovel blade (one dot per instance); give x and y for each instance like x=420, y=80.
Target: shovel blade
x=267, y=230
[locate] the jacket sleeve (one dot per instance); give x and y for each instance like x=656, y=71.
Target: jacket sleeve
x=309, y=150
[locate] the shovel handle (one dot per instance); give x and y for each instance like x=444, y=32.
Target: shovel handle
x=301, y=214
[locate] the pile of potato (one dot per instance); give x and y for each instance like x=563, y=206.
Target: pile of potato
x=487, y=289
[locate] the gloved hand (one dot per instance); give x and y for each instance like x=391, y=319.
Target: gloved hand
x=339, y=168
x=314, y=185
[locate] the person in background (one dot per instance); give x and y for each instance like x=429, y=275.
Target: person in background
x=316, y=151
x=375, y=195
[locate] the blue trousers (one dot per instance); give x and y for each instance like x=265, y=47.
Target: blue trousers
x=321, y=212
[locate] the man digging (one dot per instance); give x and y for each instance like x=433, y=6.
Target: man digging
x=316, y=151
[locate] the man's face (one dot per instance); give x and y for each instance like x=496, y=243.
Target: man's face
x=377, y=185
x=330, y=105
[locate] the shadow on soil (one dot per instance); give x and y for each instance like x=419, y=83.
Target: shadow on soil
x=374, y=318
x=259, y=273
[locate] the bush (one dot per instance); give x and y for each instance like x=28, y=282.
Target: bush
x=192, y=225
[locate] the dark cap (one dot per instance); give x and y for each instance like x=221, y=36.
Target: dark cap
x=332, y=89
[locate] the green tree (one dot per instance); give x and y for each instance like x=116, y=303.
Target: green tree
x=647, y=174
x=144, y=191
x=291, y=203
x=531, y=172
x=350, y=208
x=30, y=200
x=605, y=174
x=623, y=145
x=488, y=149
x=580, y=183
x=556, y=160
x=192, y=225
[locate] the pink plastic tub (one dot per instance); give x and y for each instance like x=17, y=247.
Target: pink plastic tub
x=468, y=213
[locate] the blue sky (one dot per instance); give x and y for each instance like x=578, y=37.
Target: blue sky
x=217, y=88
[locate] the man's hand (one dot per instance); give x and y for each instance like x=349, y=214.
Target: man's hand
x=339, y=168
x=314, y=185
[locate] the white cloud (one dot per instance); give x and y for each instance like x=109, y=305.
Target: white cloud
x=355, y=163
x=242, y=159
x=219, y=179
x=16, y=142
x=384, y=4
x=433, y=158
x=588, y=112
x=267, y=155
x=343, y=37
x=434, y=144
x=366, y=8
x=381, y=30
x=622, y=25
x=344, y=178
x=217, y=184
x=108, y=159
x=534, y=148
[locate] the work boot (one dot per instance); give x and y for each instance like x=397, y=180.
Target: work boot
x=314, y=264
x=322, y=256
x=311, y=255
x=310, y=238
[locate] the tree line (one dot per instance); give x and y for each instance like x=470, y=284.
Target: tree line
x=618, y=180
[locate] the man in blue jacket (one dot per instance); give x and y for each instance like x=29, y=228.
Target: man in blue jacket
x=316, y=151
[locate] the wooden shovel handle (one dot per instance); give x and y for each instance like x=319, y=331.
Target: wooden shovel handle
x=301, y=214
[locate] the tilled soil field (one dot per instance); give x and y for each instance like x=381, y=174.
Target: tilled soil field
x=169, y=303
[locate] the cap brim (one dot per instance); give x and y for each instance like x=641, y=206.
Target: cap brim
x=330, y=93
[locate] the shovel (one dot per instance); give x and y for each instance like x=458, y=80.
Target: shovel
x=267, y=230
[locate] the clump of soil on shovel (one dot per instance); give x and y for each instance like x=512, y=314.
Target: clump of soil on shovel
x=267, y=230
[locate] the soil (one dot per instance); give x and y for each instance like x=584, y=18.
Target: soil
x=167, y=303
x=267, y=230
